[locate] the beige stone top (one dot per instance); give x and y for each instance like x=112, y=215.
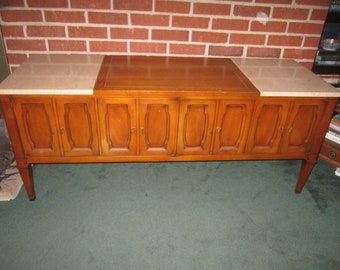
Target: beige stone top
x=76, y=75
x=284, y=77
x=54, y=75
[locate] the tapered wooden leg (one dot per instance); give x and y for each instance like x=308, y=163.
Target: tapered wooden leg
x=27, y=179
x=305, y=171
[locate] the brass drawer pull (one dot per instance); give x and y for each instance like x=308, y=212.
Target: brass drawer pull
x=332, y=155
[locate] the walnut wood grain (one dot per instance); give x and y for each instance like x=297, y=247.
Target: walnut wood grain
x=166, y=109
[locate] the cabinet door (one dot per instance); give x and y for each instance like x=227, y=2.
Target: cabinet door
x=158, y=119
x=232, y=126
x=118, y=124
x=267, y=126
x=195, y=126
x=77, y=125
x=302, y=122
x=37, y=125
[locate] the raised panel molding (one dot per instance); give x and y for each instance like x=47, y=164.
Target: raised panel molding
x=301, y=125
x=232, y=126
x=268, y=126
x=304, y=121
x=117, y=115
x=77, y=115
x=118, y=127
x=196, y=123
x=157, y=126
x=39, y=138
x=37, y=125
x=78, y=126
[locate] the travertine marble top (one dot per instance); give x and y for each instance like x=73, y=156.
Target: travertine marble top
x=76, y=75
x=54, y=75
x=284, y=77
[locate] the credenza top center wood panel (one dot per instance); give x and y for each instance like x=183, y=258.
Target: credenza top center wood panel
x=172, y=74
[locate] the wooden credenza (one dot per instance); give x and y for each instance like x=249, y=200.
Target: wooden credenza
x=166, y=109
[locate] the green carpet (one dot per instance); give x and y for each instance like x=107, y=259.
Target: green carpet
x=187, y=215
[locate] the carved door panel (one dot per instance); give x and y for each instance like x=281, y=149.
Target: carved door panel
x=301, y=125
x=195, y=126
x=268, y=126
x=37, y=126
x=118, y=126
x=78, y=126
x=232, y=126
x=158, y=127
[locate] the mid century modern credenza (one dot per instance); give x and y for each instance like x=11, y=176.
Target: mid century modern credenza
x=92, y=108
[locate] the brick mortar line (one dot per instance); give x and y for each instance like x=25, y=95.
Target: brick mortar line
x=179, y=43
x=93, y=25
x=67, y=37
x=170, y=14
x=232, y=5
x=129, y=25
x=33, y=38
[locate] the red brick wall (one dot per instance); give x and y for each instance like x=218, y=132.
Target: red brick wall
x=239, y=28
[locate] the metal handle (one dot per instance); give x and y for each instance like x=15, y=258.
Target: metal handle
x=62, y=130
x=289, y=129
x=332, y=155
x=219, y=129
